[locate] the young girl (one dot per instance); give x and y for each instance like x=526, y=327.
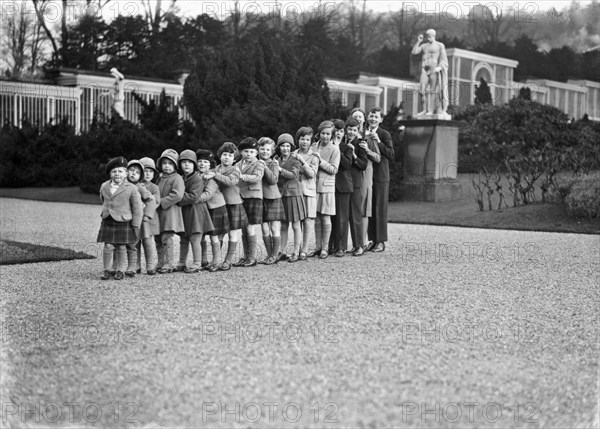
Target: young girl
x=329, y=156
x=250, y=184
x=359, y=163
x=196, y=218
x=150, y=226
x=122, y=213
x=291, y=191
x=228, y=177
x=308, y=173
x=273, y=212
x=338, y=141
x=217, y=210
x=135, y=170
x=373, y=156
x=171, y=188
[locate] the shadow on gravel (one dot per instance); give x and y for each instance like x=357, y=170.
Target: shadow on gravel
x=16, y=252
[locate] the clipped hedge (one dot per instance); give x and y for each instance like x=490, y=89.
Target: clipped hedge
x=581, y=195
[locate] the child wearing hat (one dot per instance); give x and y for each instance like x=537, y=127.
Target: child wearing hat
x=250, y=184
x=329, y=157
x=171, y=188
x=227, y=176
x=217, y=210
x=122, y=213
x=135, y=170
x=196, y=218
x=308, y=173
x=273, y=213
x=151, y=223
x=291, y=191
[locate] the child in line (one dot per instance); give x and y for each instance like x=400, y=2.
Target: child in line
x=217, y=210
x=151, y=223
x=359, y=164
x=171, y=188
x=135, y=170
x=337, y=141
x=228, y=177
x=196, y=218
x=273, y=212
x=308, y=173
x=329, y=157
x=122, y=214
x=250, y=184
x=291, y=191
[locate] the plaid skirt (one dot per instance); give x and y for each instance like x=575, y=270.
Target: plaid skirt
x=114, y=232
x=273, y=210
x=254, y=210
x=294, y=208
x=237, y=216
x=220, y=220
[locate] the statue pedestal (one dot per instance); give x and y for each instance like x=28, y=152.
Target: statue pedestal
x=430, y=160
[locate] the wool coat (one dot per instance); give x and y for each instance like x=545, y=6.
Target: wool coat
x=171, y=188
x=308, y=173
x=381, y=171
x=289, y=174
x=343, y=178
x=125, y=205
x=150, y=224
x=330, y=161
x=251, y=174
x=216, y=199
x=196, y=218
x=228, y=179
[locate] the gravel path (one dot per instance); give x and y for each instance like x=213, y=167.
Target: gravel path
x=450, y=327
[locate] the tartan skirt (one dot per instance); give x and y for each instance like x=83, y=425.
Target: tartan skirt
x=295, y=208
x=273, y=210
x=114, y=232
x=220, y=220
x=237, y=216
x=254, y=210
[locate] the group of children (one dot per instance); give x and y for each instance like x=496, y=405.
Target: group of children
x=321, y=185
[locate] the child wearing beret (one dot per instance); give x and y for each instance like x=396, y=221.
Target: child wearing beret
x=122, y=213
x=291, y=191
x=250, y=184
x=196, y=218
x=217, y=210
x=227, y=176
x=171, y=188
x=329, y=161
x=273, y=212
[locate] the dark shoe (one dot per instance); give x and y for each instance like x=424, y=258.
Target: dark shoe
x=302, y=256
x=105, y=275
x=282, y=257
x=179, y=269
x=130, y=273
x=379, y=247
x=270, y=261
x=225, y=266
x=369, y=246
x=249, y=263
x=293, y=258
x=323, y=254
x=359, y=252
x=239, y=263
x=314, y=253
x=138, y=271
x=205, y=265
x=340, y=253
x=119, y=275
x=151, y=272
x=213, y=268
x=112, y=273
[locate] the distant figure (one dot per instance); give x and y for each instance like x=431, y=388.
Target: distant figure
x=118, y=92
x=434, y=74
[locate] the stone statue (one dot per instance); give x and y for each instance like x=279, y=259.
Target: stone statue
x=433, y=85
x=118, y=92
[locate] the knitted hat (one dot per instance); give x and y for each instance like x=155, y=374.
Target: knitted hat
x=136, y=163
x=169, y=154
x=117, y=162
x=248, y=143
x=286, y=138
x=189, y=155
x=206, y=155
x=325, y=124
x=149, y=163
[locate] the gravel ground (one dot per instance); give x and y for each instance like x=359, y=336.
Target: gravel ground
x=450, y=327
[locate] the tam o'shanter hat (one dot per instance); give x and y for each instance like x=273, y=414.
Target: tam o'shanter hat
x=117, y=162
x=248, y=143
